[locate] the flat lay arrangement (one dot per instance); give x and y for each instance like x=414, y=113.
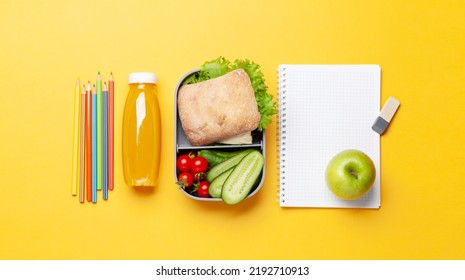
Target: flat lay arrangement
x=232, y=130
x=221, y=112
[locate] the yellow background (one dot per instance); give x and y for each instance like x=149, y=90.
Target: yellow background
x=46, y=45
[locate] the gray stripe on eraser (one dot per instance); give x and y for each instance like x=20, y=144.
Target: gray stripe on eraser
x=380, y=125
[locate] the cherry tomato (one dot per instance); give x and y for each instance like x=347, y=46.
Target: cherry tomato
x=199, y=164
x=198, y=177
x=185, y=180
x=183, y=163
x=202, y=191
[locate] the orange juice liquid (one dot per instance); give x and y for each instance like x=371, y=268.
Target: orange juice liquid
x=141, y=135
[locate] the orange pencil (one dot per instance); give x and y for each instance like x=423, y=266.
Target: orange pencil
x=88, y=146
x=110, y=137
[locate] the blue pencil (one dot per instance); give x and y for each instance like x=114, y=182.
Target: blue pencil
x=105, y=140
x=94, y=145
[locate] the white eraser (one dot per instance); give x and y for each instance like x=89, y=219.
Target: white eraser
x=386, y=114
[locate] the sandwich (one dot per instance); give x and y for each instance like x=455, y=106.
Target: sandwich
x=218, y=109
x=224, y=103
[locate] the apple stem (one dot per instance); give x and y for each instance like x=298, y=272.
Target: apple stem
x=352, y=172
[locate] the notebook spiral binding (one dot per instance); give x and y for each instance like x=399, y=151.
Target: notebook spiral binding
x=281, y=134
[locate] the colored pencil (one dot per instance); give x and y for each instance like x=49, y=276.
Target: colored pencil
x=88, y=146
x=93, y=150
x=99, y=133
x=76, y=138
x=81, y=146
x=105, y=140
x=111, y=97
x=94, y=144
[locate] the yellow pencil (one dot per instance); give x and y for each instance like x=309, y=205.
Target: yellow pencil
x=76, y=142
x=82, y=166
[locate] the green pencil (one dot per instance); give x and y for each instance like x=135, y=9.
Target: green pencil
x=99, y=134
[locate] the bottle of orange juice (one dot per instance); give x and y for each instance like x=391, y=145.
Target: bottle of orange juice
x=141, y=131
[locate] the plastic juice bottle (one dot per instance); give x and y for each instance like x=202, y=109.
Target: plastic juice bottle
x=141, y=131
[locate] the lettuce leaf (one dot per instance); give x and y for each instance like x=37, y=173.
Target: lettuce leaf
x=221, y=66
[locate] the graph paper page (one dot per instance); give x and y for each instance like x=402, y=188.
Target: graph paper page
x=323, y=110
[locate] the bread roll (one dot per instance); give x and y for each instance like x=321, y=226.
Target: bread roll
x=218, y=108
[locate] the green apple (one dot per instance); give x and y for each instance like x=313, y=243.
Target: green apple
x=350, y=174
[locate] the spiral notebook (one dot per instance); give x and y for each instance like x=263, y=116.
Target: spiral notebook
x=323, y=110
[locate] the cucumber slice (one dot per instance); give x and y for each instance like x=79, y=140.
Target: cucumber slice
x=225, y=165
x=215, y=187
x=239, y=183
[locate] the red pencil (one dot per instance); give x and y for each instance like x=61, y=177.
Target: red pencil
x=88, y=146
x=110, y=131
